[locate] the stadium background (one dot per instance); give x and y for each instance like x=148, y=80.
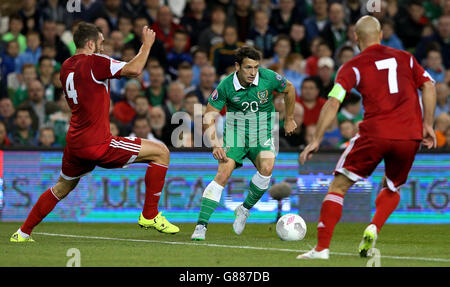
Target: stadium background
x=172, y=81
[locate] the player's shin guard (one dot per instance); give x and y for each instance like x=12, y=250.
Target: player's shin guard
x=258, y=186
x=210, y=201
x=330, y=213
x=154, y=183
x=45, y=204
x=385, y=203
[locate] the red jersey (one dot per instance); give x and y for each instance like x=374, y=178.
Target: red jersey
x=85, y=79
x=388, y=80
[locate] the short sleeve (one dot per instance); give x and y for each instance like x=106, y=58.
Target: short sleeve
x=420, y=76
x=278, y=81
x=217, y=99
x=347, y=77
x=104, y=67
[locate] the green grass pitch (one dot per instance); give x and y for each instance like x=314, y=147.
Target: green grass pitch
x=128, y=245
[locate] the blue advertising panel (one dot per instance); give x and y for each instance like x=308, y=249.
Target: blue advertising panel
x=117, y=195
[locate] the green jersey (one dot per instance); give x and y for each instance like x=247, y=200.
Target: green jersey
x=250, y=110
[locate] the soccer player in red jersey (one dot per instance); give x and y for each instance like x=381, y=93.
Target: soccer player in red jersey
x=85, y=79
x=392, y=130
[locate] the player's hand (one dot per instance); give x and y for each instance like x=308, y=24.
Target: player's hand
x=308, y=152
x=289, y=127
x=219, y=154
x=429, y=137
x=148, y=36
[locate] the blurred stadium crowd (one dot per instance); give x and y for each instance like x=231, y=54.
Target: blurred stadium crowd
x=305, y=40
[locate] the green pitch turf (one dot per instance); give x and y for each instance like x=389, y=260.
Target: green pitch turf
x=129, y=245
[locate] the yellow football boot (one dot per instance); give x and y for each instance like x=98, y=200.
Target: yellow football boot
x=159, y=223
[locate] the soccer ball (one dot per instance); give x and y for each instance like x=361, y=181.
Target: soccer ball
x=291, y=227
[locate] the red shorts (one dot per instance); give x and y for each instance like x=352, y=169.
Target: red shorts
x=120, y=152
x=364, y=154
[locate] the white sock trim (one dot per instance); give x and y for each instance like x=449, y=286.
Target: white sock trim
x=160, y=164
x=391, y=185
x=51, y=190
x=213, y=191
x=23, y=234
x=335, y=198
x=261, y=181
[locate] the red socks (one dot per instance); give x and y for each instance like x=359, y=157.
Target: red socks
x=45, y=204
x=154, y=183
x=385, y=204
x=330, y=213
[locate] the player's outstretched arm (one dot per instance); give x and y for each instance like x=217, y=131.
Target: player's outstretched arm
x=327, y=116
x=289, y=100
x=211, y=114
x=134, y=68
x=429, y=105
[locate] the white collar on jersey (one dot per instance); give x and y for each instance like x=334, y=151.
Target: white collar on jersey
x=237, y=84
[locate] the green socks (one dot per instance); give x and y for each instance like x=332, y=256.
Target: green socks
x=210, y=201
x=211, y=196
x=254, y=195
x=207, y=208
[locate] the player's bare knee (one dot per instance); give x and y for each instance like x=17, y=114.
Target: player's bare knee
x=266, y=170
x=223, y=175
x=222, y=178
x=164, y=155
x=337, y=188
x=60, y=191
x=155, y=152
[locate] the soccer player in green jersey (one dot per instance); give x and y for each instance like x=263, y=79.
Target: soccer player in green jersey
x=248, y=95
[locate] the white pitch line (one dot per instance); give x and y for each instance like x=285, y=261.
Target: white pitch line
x=231, y=246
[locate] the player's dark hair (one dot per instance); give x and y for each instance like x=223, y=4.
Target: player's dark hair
x=247, y=52
x=84, y=33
